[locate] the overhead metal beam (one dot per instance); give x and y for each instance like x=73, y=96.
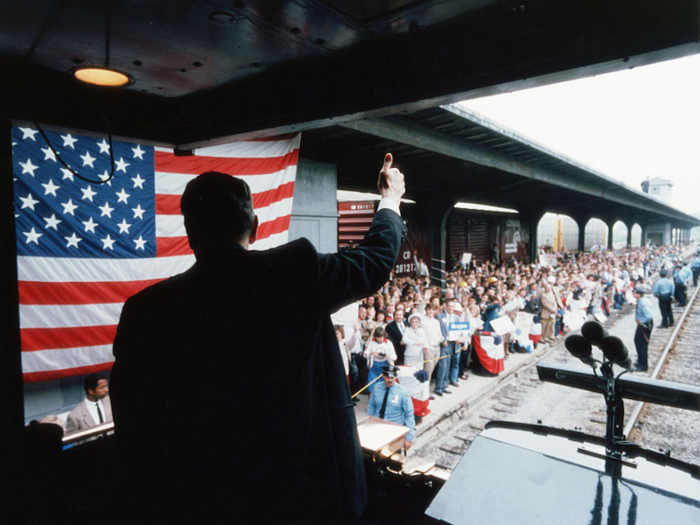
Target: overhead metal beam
x=421, y=136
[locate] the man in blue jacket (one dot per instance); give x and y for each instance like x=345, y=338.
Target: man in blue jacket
x=391, y=402
x=681, y=279
x=663, y=291
x=695, y=268
x=644, y=318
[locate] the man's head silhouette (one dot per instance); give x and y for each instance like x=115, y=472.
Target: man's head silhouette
x=218, y=206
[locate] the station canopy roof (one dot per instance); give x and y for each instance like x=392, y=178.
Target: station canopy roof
x=460, y=155
x=204, y=72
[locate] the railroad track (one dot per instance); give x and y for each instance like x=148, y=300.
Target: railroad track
x=669, y=429
x=674, y=354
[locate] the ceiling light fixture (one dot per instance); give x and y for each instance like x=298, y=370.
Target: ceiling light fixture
x=103, y=76
x=100, y=76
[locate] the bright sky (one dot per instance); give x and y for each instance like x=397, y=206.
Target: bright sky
x=628, y=125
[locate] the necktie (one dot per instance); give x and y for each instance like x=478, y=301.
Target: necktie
x=383, y=409
x=99, y=413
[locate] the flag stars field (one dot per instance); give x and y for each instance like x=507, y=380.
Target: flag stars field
x=33, y=236
x=124, y=226
x=138, y=212
x=52, y=222
x=106, y=178
x=138, y=152
x=28, y=133
x=140, y=242
x=73, y=240
x=49, y=154
x=121, y=164
x=50, y=188
x=29, y=202
x=90, y=225
x=88, y=160
x=69, y=141
x=84, y=247
x=123, y=196
x=28, y=167
x=69, y=208
x=104, y=146
x=88, y=193
x=108, y=243
x=106, y=210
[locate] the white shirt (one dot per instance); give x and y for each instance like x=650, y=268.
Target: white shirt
x=433, y=332
x=92, y=408
x=389, y=203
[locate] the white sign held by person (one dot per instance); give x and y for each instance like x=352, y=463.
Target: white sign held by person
x=458, y=331
x=523, y=322
x=548, y=259
x=502, y=325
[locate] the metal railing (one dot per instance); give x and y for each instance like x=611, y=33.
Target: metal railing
x=88, y=434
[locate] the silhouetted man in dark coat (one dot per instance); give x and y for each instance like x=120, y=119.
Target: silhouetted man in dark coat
x=223, y=412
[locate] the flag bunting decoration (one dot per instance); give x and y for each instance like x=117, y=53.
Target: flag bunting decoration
x=83, y=248
x=490, y=352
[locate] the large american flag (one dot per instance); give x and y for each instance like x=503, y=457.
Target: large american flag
x=84, y=248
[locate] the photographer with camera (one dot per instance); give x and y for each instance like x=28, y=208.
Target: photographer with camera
x=379, y=353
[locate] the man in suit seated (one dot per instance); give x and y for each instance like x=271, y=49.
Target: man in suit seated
x=95, y=409
x=242, y=416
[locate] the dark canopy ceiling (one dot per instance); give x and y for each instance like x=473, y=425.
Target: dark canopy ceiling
x=210, y=70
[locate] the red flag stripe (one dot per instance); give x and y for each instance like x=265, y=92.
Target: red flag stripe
x=279, y=225
x=32, y=292
x=50, y=375
x=266, y=198
x=167, y=204
x=194, y=165
x=170, y=204
x=171, y=246
x=34, y=339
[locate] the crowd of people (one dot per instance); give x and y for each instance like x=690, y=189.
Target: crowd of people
x=430, y=325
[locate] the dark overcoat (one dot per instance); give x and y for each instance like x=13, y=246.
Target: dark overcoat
x=228, y=390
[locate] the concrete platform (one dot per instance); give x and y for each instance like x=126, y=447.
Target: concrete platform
x=469, y=391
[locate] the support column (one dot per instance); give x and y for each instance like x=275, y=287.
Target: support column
x=437, y=212
x=629, y=235
x=581, y=222
x=530, y=218
x=610, y=235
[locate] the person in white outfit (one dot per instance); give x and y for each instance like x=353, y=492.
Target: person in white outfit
x=416, y=342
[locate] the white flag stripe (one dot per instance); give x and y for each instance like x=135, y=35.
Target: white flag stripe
x=271, y=242
x=170, y=226
x=63, y=316
x=251, y=149
x=48, y=360
x=174, y=225
x=174, y=183
x=59, y=270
